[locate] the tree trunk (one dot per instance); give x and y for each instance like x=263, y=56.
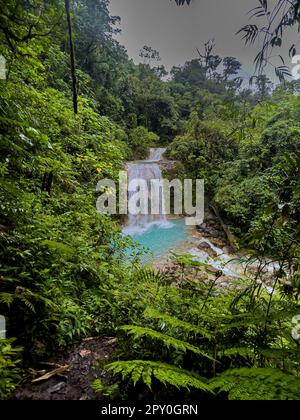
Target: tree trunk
x=47, y=182
x=72, y=57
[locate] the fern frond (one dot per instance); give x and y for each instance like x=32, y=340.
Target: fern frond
x=59, y=247
x=149, y=275
x=98, y=386
x=27, y=303
x=177, y=323
x=237, y=351
x=6, y=298
x=167, y=374
x=258, y=384
x=246, y=320
x=167, y=340
x=280, y=354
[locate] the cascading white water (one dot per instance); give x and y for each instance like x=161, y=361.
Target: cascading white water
x=146, y=170
x=156, y=154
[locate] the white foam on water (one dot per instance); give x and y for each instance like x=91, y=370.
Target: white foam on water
x=137, y=229
x=224, y=263
x=217, y=250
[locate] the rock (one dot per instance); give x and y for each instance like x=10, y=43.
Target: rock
x=210, y=218
x=84, y=353
x=226, y=279
x=223, y=285
x=220, y=243
x=204, y=245
x=208, y=249
x=56, y=388
x=227, y=250
x=213, y=270
x=210, y=231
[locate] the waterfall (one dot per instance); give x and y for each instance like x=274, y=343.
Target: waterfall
x=156, y=155
x=146, y=170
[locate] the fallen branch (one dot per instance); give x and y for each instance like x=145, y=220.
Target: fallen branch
x=49, y=375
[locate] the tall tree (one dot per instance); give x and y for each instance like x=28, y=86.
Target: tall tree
x=20, y=25
x=231, y=67
x=209, y=61
x=149, y=54
x=72, y=58
x=263, y=86
x=94, y=28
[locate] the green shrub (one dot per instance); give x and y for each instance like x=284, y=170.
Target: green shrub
x=10, y=372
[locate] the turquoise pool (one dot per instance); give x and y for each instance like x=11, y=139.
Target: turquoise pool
x=160, y=239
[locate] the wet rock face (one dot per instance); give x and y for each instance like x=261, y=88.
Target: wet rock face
x=212, y=232
x=205, y=246
x=212, y=229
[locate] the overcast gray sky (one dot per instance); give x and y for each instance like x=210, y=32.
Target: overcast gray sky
x=176, y=32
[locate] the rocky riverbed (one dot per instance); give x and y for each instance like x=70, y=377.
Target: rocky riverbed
x=209, y=245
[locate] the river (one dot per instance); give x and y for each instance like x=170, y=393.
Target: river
x=160, y=234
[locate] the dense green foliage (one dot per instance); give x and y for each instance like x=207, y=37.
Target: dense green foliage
x=10, y=372
x=56, y=251
x=64, y=273
x=208, y=343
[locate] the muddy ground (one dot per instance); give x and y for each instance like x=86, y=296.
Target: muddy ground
x=84, y=363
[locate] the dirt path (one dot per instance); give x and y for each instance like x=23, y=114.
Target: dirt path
x=84, y=363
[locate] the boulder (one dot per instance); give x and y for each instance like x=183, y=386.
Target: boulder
x=204, y=245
